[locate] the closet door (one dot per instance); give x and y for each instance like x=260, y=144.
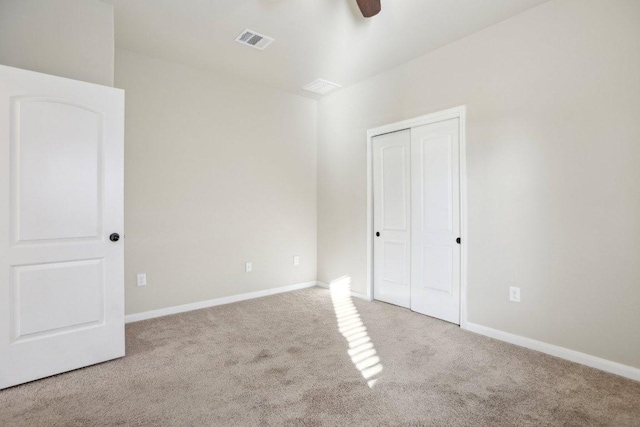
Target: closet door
x=435, y=220
x=391, y=201
x=61, y=198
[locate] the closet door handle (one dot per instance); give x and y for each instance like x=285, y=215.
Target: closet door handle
x=377, y=234
x=458, y=240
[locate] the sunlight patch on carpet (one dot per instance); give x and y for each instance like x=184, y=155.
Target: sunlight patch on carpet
x=361, y=350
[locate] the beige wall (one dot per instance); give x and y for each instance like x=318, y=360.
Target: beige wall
x=553, y=158
x=68, y=38
x=218, y=172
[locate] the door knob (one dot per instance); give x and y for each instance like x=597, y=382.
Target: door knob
x=458, y=240
x=377, y=234
x=114, y=237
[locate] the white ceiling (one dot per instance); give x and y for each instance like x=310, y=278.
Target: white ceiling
x=326, y=39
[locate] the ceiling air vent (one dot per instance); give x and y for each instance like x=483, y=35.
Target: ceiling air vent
x=321, y=87
x=254, y=39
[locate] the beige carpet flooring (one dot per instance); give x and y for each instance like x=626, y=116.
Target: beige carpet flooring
x=282, y=360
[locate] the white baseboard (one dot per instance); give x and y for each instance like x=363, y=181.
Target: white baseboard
x=554, y=350
x=353, y=294
x=129, y=318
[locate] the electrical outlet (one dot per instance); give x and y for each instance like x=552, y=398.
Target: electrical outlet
x=248, y=267
x=142, y=279
x=514, y=294
x=296, y=260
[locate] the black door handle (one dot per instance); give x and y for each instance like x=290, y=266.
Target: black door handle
x=458, y=240
x=377, y=234
x=114, y=237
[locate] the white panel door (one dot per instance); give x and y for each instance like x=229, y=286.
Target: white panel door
x=391, y=222
x=61, y=192
x=435, y=224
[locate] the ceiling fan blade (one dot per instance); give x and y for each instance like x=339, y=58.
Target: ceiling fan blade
x=369, y=8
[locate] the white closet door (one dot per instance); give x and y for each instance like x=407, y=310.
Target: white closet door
x=61, y=197
x=435, y=224
x=391, y=176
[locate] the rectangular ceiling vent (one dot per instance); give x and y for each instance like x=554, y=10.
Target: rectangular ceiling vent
x=254, y=39
x=321, y=87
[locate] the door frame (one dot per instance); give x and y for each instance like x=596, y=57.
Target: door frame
x=459, y=112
